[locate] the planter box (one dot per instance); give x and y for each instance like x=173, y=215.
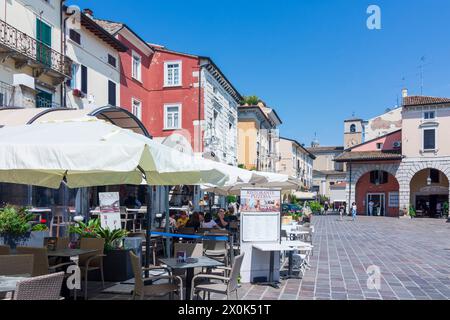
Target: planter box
x=36, y=240
x=116, y=267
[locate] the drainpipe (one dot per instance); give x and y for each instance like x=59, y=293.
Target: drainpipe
x=350, y=188
x=64, y=41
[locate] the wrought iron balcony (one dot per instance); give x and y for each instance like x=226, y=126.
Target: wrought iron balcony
x=26, y=50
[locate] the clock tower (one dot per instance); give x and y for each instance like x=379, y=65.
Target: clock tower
x=353, y=132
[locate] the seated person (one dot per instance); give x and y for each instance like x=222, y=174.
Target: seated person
x=209, y=223
x=132, y=202
x=194, y=221
x=172, y=221
x=182, y=220
x=221, y=220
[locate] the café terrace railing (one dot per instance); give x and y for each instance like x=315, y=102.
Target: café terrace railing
x=34, y=49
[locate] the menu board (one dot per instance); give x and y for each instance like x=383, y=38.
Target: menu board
x=260, y=215
x=110, y=210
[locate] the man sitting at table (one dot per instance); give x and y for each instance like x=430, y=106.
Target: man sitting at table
x=132, y=202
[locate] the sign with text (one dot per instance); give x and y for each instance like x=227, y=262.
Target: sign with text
x=110, y=210
x=260, y=214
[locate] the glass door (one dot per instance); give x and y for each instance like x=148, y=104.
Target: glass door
x=376, y=204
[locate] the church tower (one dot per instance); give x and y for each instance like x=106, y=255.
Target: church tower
x=353, y=132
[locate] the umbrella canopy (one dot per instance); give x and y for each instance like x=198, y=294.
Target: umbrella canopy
x=270, y=180
x=94, y=152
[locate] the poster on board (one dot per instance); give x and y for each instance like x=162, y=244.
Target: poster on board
x=110, y=210
x=260, y=215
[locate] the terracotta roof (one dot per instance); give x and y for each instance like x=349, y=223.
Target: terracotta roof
x=110, y=26
x=323, y=149
x=423, y=100
x=369, y=155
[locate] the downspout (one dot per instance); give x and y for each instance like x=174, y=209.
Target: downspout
x=64, y=41
x=350, y=188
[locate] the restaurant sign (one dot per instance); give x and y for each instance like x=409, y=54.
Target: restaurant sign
x=110, y=210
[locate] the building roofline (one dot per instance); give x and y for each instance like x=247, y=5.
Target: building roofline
x=312, y=156
x=372, y=140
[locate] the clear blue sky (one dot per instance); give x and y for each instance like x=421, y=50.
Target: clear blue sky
x=314, y=61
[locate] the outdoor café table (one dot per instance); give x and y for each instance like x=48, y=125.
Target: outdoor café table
x=189, y=265
x=272, y=248
x=296, y=245
x=69, y=253
x=298, y=233
x=8, y=283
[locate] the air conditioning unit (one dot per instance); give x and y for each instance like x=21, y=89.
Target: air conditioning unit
x=397, y=144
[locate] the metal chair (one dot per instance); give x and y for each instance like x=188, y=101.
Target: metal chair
x=142, y=290
x=91, y=261
x=226, y=286
x=11, y=265
x=125, y=218
x=216, y=249
x=46, y=287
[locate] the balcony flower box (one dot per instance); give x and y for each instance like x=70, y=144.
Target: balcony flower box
x=78, y=93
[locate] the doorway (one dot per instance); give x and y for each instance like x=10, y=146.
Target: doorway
x=376, y=204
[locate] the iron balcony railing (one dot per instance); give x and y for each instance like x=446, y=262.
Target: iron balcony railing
x=34, y=49
x=42, y=102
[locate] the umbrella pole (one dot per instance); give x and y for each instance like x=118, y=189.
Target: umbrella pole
x=149, y=229
x=166, y=198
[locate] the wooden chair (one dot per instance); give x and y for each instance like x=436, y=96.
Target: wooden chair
x=5, y=250
x=142, y=290
x=46, y=287
x=226, y=285
x=40, y=261
x=91, y=261
x=11, y=265
x=60, y=218
x=126, y=218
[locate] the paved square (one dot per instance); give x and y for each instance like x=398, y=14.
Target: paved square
x=413, y=257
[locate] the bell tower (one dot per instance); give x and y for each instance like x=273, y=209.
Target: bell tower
x=353, y=132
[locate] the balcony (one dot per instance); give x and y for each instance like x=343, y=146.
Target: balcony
x=11, y=96
x=27, y=51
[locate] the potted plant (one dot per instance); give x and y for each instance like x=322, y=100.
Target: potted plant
x=38, y=234
x=315, y=207
x=116, y=263
x=15, y=226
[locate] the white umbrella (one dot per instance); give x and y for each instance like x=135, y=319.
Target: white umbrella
x=94, y=152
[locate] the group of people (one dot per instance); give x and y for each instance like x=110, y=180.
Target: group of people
x=201, y=220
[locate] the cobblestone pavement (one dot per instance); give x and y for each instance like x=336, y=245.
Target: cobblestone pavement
x=413, y=257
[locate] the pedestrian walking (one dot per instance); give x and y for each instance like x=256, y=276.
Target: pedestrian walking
x=371, y=204
x=326, y=207
x=341, y=212
x=354, y=210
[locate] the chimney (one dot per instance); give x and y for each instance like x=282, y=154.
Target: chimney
x=404, y=93
x=88, y=12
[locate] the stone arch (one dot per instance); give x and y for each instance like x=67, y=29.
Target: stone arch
x=389, y=168
x=426, y=165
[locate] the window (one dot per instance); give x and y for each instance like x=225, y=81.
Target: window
x=84, y=79
x=136, y=68
x=74, y=80
x=379, y=146
x=394, y=200
x=111, y=93
x=172, y=74
x=75, y=36
x=353, y=128
x=172, y=117
x=137, y=108
x=44, y=99
x=429, y=139
x=112, y=60
x=2, y=100
x=43, y=47
x=378, y=177
x=428, y=115
x=434, y=175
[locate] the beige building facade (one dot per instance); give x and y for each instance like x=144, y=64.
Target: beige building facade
x=258, y=138
x=296, y=161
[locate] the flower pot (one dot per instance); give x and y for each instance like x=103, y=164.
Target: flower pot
x=116, y=266
x=14, y=240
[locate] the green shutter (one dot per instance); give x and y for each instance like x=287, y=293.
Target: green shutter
x=43, y=35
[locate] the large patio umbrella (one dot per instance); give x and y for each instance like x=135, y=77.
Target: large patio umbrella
x=92, y=153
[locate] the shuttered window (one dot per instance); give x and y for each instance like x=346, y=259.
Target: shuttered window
x=84, y=79
x=112, y=93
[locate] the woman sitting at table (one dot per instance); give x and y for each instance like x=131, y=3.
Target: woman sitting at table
x=194, y=221
x=209, y=223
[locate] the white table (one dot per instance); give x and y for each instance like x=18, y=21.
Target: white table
x=272, y=248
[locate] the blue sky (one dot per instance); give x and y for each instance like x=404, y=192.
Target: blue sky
x=314, y=61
